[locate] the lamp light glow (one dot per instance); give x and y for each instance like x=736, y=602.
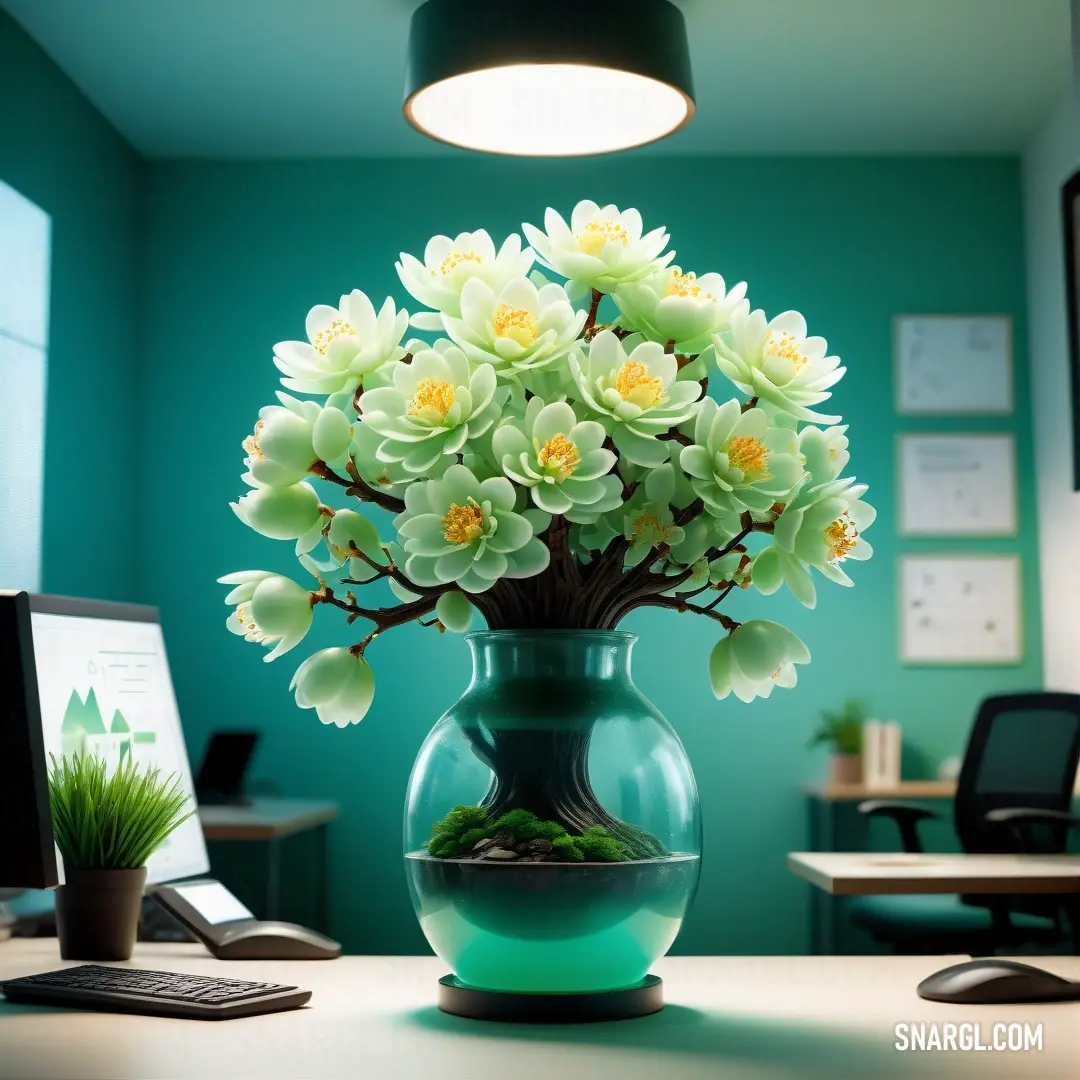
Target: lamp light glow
x=557, y=78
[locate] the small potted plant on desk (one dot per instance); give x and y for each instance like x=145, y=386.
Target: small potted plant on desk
x=107, y=825
x=842, y=731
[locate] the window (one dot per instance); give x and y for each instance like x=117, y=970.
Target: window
x=25, y=241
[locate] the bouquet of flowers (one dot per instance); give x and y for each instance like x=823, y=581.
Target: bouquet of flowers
x=544, y=468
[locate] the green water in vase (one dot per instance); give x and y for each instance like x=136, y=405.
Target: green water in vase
x=552, y=723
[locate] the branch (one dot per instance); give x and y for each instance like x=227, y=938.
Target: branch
x=383, y=618
x=367, y=493
x=391, y=571
x=748, y=405
x=673, y=603
x=590, y=321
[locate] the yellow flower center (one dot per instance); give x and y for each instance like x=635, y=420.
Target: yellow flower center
x=463, y=524
x=787, y=347
x=635, y=384
x=649, y=529
x=599, y=233
x=518, y=324
x=749, y=455
x=686, y=285
x=841, y=537
x=455, y=259
x=337, y=328
x=251, y=443
x=431, y=397
x=560, y=457
x=243, y=616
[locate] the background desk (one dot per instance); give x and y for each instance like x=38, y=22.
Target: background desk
x=269, y=822
x=833, y=825
x=872, y=874
x=741, y=1018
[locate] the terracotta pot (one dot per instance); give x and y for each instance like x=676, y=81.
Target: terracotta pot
x=845, y=768
x=97, y=913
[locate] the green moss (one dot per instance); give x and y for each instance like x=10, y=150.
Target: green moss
x=598, y=845
x=547, y=830
x=460, y=820
x=467, y=840
x=567, y=847
x=514, y=820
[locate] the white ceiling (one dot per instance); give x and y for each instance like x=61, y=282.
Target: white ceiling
x=301, y=78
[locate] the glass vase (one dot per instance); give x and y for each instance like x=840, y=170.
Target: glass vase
x=571, y=852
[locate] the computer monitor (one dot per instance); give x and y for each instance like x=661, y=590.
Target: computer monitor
x=94, y=679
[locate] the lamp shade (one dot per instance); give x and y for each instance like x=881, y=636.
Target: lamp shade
x=548, y=77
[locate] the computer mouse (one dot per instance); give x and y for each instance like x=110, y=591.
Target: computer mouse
x=996, y=982
x=257, y=940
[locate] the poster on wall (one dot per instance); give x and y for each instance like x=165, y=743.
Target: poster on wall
x=957, y=484
x=960, y=609
x=953, y=364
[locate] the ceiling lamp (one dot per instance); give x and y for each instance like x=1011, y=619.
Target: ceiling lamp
x=548, y=78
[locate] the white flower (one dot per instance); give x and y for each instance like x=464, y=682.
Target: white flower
x=385, y=476
x=636, y=394
x=560, y=459
x=672, y=306
x=460, y=529
x=436, y=403
x=345, y=344
x=825, y=452
x=336, y=684
x=755, y=657
x=519, y=328
x=270, y=609
x=289, y=438
x=739, y=460
x=449, y=264
x=283, y=513
x=776, y=362
x=821, y=527
x=601, y=248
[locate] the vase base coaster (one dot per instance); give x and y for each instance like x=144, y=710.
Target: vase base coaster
x=527, y=1007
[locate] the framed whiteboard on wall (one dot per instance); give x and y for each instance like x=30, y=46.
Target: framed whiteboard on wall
x=953, y=364
x=960, y=609
x=957, y=484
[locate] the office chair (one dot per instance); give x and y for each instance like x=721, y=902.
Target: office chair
x=1013, y=796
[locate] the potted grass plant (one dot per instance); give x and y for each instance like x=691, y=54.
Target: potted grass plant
x=107, y=825
x=842, y=732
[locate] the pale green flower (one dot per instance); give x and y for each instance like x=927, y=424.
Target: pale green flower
x=822, y=528
x=825, y=452
x=600, y=248
x=348, y=529
x=519, y=328
x=270, y=609
x=291, y=437
x=634, y=393
x=648, y=524
x=345, y=344
x=755, y=657
x=449, y=264
x=336, y=684
x=464, y=530
x=283, y=513
x=776, y=362
x=560, y=459
x=739, y=460
x=436, y=403
x=672, y=306
x=386, y=476
x=455, y=611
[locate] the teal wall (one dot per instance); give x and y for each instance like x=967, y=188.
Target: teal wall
x=58, y=151
x=235, y=254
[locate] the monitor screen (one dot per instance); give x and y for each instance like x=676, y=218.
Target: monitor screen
x=105, y=688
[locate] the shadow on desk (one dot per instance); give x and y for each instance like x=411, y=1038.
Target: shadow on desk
x=777, y=1050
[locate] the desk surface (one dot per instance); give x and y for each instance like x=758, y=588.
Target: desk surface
x=869, y=874
x=828, y=791
x=265, y=819
x=743, y=1018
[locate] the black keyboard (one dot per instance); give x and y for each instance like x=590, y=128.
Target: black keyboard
x=152, y=993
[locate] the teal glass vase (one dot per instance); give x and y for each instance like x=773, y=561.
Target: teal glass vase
x=567, y=839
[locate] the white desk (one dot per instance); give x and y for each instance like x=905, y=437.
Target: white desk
x=728, y=1018
x=870, y=874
